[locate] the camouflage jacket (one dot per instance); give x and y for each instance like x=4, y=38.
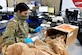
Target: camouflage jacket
x=16, y=31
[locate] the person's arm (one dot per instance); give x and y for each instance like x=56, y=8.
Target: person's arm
x=36, y=30
x=10, y=30
x=8, y=35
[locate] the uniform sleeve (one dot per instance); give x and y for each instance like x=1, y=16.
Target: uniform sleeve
x=10, y=30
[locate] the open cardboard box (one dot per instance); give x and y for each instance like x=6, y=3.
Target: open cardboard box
x=71, y=32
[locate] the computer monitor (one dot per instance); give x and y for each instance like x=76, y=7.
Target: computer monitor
x=43, y=9
x=51, y=10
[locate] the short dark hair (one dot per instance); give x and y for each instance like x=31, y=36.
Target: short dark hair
x=21, y=7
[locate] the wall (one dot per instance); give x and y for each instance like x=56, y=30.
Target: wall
x=11, y=2
x=67, y=4
x=54, y=3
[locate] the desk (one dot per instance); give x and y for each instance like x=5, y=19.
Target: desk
x=57, y=18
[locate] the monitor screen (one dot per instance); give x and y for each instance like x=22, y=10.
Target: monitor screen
x=43, y=9
x=51, y=10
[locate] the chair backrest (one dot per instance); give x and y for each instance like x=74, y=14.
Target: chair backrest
x=71, y=15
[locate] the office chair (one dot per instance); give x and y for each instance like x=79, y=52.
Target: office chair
x=72, y=16
x=75, y=15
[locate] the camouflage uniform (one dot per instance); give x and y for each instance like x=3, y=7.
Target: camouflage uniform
x=16, y=30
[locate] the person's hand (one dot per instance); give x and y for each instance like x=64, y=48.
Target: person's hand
x=38, y=29
x=28, y=40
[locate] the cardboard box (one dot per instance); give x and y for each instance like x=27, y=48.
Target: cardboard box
x=71, y=32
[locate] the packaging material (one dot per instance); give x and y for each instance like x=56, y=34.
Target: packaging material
x=42, y=46
x=14, y=49
x=53, y=46
x=23, y=49
x=57, y=45
x=70, y=31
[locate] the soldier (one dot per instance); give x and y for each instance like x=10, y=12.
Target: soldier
x=17, y=29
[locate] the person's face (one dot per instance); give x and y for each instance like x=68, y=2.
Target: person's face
x=24, y=13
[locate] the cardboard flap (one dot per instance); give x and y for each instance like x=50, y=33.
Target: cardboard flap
x=66, y=27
